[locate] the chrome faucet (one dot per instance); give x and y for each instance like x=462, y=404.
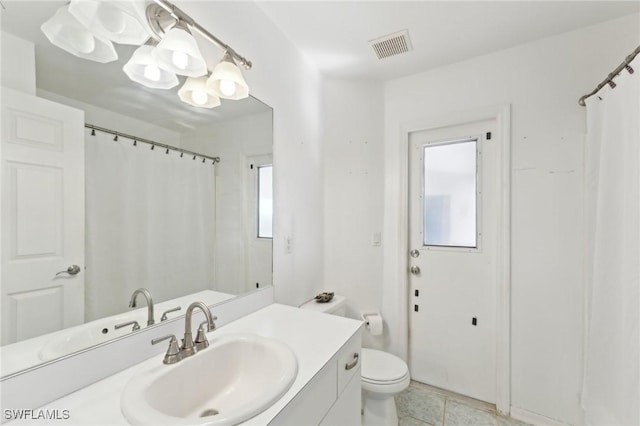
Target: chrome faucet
x=188, y=347
x=147, y=295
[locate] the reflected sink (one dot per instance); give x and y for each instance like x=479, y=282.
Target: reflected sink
x=237, y=377
x=87, y=335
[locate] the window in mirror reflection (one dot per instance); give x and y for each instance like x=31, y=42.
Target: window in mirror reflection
x=265, y=201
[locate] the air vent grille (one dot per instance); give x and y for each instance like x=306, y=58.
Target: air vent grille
x=391, y=45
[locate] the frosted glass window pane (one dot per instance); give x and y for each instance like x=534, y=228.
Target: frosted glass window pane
x=265, y=202
x=449, y=211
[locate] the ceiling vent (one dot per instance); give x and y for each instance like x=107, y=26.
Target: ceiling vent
x=391, y=45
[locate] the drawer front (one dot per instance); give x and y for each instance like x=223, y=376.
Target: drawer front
x=349, y=361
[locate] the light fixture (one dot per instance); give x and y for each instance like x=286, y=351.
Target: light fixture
x=227, y=81
x=85, y=28
x=178, y=52
x=195, y=92
x=64, y=31
x=144, y=69
x=115, y=20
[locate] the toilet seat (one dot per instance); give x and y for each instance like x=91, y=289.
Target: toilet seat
x=383, y=372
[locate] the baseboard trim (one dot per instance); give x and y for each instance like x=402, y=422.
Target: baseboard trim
x=535, y=418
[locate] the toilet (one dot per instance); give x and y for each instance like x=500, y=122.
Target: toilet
x=383, y=375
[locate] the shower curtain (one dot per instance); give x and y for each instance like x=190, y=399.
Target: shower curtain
x=611, y=385
x=150, y=223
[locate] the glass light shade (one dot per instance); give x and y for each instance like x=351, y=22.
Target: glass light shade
x=195, y=92
x=178, y=53
x=143, y=68
x=116, y=20
x=64, y=31
x=227, y=81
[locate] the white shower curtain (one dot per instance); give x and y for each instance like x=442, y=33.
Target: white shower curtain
x=611, y=389
x=150, y=223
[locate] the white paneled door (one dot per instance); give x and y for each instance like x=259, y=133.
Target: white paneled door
x=453, y=206
x=42, y=256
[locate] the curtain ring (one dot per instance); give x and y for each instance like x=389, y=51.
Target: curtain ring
x=629, y=69
x=612, y=84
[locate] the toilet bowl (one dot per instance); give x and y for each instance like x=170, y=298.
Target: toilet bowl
x=383, y=375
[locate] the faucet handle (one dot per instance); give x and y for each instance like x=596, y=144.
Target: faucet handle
x=164, y=314
x=135, y=325
x=201, y=341
x=173, y=353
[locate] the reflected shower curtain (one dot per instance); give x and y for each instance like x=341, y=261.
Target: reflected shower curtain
x=150, y=223
x=611, y=386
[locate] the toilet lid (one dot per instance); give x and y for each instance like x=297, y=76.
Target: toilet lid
x=379, y=366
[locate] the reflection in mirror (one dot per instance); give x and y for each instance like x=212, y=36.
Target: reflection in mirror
x=166, y=220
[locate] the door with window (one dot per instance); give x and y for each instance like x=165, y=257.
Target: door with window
x=453, y=205
x=260, y=216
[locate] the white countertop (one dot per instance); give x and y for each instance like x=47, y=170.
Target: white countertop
x=314, y=338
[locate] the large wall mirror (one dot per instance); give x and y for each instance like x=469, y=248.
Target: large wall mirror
x=173, y=222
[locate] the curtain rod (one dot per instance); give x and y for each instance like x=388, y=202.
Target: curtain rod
x=152, y=143
x=609, y=79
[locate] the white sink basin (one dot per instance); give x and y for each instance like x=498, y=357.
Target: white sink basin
x=87, y=335
x=235, y=378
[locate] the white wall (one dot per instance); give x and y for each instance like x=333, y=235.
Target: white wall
x=284, y=79
x=240, y=260
x=354, y=201
x=112, y=120
x=542, y=81
x=18, y=63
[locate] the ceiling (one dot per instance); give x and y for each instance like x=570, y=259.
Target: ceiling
x=335, y=34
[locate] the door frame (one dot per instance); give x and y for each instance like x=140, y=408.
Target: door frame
x=502, y=115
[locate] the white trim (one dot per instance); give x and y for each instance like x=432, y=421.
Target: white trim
x=502, y=115
x=535, y=418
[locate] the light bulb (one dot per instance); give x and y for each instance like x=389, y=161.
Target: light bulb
x=227, y=87
x=151, y=72
x=82, y=42
x=199, y=97
x=180, y=59
x=111, y=18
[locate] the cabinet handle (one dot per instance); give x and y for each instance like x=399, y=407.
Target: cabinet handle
x=350, y=365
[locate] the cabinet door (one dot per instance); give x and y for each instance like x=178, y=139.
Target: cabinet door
x=347, y=409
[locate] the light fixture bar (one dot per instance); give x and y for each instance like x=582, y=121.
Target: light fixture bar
x=178, y=14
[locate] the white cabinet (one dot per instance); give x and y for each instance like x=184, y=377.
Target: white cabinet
x=333, y=396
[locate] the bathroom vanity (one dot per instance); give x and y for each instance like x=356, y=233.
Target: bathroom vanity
x=325, y=390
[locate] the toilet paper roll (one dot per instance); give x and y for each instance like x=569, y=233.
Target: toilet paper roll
x=374, y=324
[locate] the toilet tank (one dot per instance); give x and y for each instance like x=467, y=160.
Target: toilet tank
x=336, y=306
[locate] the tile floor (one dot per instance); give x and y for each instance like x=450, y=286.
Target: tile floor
x=424, y=405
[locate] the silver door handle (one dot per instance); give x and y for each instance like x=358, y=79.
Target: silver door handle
x=71, y=270
x=415, y=270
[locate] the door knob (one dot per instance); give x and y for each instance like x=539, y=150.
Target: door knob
x=415, y=270
x=71, y=270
